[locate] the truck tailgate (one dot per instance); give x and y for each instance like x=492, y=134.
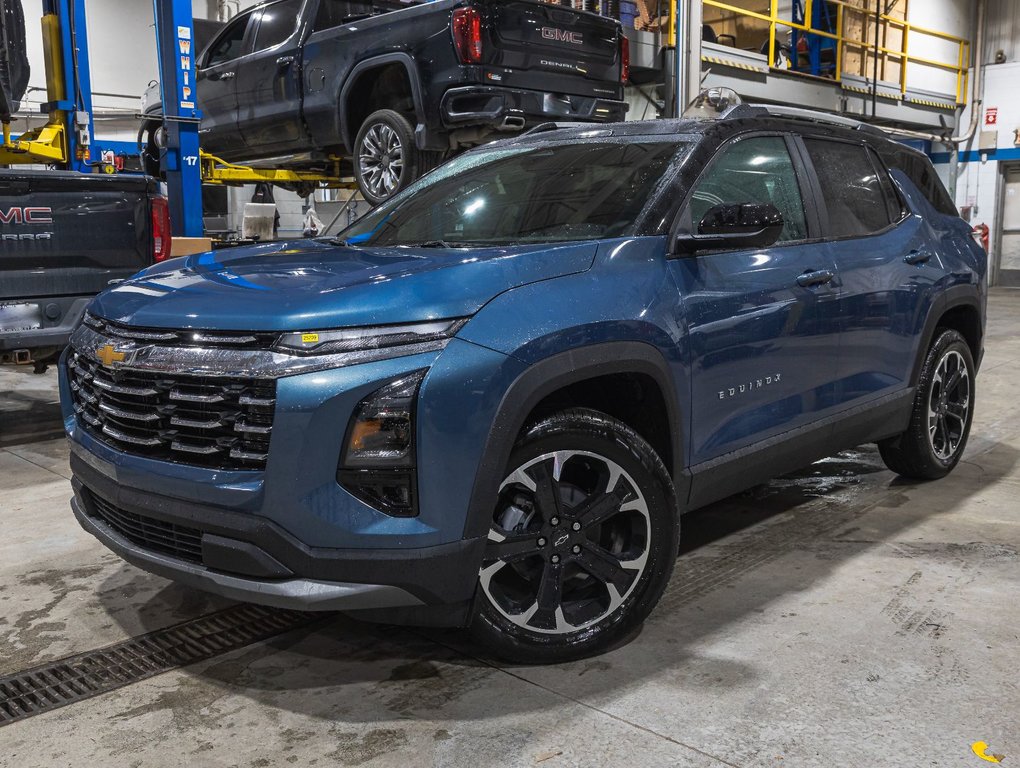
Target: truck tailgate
x=534, y=42
x=70, y=234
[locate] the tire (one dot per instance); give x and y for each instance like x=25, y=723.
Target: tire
x=386, y=159
x=15, y=70
x=151, y=142
x=574, y=565
x=942, y=413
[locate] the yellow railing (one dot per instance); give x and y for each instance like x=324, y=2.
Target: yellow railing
x=902, y=54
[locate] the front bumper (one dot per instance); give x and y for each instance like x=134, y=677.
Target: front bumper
x=291, y=534
x=478, y=105
x=249, y=558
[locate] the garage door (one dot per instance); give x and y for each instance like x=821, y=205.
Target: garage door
x=1009, y=253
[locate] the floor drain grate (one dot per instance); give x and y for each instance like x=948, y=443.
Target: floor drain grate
x=75, y=678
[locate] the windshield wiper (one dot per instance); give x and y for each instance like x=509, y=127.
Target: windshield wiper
x=434, y=244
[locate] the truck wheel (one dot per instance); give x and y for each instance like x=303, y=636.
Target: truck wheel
x=942, y=413
x=582, y=541
x=385, y=157
x=151, y=142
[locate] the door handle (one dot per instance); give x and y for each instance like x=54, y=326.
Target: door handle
x=812, y=278
x=917, y=257
x=284, y=61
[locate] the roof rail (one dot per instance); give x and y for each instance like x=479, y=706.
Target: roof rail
x=551, y=126
x=796, y=113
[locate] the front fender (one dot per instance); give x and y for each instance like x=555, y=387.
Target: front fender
x=622, y=316
x=544, y=378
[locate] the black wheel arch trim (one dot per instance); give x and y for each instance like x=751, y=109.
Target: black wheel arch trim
x=348, y=132
x=554, y=373
x=952, y=298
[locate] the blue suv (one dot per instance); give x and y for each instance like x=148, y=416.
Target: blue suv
x=488, y=403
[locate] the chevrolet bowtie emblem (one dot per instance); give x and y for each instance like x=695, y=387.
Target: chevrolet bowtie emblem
x=108, y=355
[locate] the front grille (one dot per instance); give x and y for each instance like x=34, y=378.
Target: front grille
x=184, y=338
x=216, y=422
x=154, y=535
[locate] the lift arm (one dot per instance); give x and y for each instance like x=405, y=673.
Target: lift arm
x=218, y=171
x=47, y=144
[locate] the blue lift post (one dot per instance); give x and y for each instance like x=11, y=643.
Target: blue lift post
x=821, y=19
x=175, y=43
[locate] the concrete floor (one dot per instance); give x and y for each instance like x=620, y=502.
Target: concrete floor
x=837, y=617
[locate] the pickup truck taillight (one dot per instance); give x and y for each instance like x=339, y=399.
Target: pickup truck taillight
x=467, y=35
x=624, y=59
x=161, y=238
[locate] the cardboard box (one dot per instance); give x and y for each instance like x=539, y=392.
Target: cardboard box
x=189, y=246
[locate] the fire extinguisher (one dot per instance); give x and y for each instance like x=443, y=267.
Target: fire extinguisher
x=981, y=233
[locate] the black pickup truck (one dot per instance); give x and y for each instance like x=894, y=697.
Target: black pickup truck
x=398, y=87
x=64, y=237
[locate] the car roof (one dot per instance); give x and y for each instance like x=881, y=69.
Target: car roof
x=743, y=118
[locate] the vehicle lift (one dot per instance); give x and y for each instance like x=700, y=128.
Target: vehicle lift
x=218, y=171
x=66, y=140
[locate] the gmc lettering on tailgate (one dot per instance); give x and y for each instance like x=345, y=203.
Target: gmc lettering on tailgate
x=26, y=216
x=562, y=35
x=30, y=215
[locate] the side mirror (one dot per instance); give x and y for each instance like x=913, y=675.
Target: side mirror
x=733, y=225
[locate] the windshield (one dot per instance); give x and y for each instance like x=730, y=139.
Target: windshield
x=524, y=194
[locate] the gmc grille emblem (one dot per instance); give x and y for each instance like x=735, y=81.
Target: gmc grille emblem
x=562, y=35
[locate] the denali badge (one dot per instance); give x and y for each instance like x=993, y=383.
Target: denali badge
x=751, y=386
x=562, y=35
x=109, y=355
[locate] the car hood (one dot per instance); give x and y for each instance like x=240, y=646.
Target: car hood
x=314, y=285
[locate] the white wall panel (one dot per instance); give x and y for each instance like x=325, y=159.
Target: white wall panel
x=950, y=16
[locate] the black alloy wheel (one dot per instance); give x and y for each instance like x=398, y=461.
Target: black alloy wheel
x=582, y=541
x=942, y=413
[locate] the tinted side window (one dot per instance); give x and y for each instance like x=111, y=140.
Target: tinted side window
x=278, y=23
x=925, y=178
x=851, y=188
x=230, y=44
x=757, y=170
x=332, y=13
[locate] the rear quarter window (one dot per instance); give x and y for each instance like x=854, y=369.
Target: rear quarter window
x=922, y=173
x=897, y=208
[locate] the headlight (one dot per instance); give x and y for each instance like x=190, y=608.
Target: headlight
x=382, y=430
x=378, y=461
x=430, y=336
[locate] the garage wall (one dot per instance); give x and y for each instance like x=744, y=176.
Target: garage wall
x=951, y=16
x=1003, y=34
x=978, y=185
